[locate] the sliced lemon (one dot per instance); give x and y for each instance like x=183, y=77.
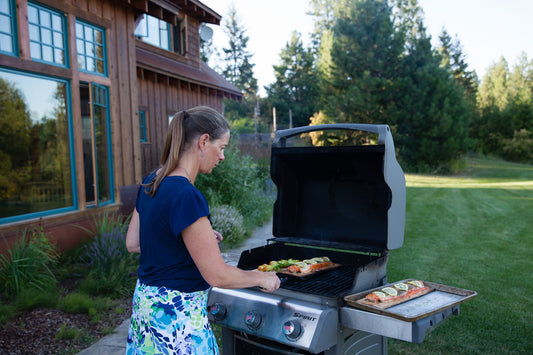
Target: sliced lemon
x=416, y=283
x=401, y=286
x=390, y=291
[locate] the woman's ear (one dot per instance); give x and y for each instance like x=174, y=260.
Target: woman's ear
x=202, y=141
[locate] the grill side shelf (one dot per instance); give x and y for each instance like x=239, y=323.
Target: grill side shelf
x=443, y=297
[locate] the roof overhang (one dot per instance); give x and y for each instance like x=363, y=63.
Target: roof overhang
x=168, y=10
x=159, y=62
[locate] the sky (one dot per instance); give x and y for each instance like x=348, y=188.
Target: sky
x=486, y=29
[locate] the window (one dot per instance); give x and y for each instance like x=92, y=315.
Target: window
x=90, y=43
x=7, y=27
x=142, y=126
x=96, y=141
x=154, y=31
x=47, y=35
x=161, y=34
x=37, y=175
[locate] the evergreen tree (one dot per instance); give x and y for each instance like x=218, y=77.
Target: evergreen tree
x=365, y=61
x=433, y=118
x=454, y=61
x=238, y=67
x=295, y=87
x=505, y=98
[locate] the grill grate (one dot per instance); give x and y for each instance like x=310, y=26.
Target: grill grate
x=329, y=283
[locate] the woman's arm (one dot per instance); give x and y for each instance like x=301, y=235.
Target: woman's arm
x=204, y=250
x=132, y=238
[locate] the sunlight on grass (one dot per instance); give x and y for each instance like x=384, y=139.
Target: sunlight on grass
x=465, y=183
x=480, y=173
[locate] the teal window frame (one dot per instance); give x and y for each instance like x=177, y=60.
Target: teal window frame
x=75, y=203
x=159, y=37
x=100, y=99
x=46, y=35
x=86, y=42
x=142, y=126
x=8, y=27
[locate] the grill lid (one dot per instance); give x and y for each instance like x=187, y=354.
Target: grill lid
x=351, y=194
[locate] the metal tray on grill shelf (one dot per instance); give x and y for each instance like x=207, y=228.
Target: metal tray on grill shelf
x=409, y=321
x=440, y=298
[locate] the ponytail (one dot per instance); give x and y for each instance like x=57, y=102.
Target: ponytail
x=185, y=127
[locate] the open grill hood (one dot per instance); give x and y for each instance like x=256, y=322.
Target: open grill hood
x=349, y=197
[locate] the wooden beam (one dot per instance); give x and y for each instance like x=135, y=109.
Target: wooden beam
x=155, y=11
x=140, y=4
x=170, y=17
x=167, y=5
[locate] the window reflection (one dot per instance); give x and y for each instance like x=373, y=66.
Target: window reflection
x=35, y=155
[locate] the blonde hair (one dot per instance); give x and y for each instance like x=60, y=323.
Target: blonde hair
x=184, y=129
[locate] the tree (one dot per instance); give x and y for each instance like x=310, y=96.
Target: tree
x=432, y=119
x=295, y=87
x=238, y=68
x=454, y=61
x=505, y=122
x=365, y=61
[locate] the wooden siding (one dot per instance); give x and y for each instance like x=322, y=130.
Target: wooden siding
x=132, y=86
x=160, y=97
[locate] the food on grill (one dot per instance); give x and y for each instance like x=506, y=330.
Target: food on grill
x=297, y=266
x=399, y=292
x=277, y=265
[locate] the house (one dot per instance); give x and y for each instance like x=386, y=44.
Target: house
x=87, y=89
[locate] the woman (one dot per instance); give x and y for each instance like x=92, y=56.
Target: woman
x=180, y=258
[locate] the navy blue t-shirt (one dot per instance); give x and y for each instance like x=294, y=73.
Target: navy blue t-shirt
x=165, y=261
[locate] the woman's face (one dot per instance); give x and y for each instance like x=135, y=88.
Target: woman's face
x=213, y=153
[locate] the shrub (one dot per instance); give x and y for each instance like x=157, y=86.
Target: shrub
x=28, y=263
x=65, y=333
x=519, y=148
x=7, y=311
x=106, y=250
x=112, y=267
x=228, y=221
x=30, y=298
x=118, y=282
x=80, y=303
x=239, y=182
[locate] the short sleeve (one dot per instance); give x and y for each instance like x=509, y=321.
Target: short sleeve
x=186, y=209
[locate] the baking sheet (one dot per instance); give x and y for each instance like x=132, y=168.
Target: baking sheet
x=441, y=298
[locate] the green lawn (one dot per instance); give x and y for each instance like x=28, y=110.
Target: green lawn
x=473, y=231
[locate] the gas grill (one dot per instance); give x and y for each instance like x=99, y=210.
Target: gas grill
x=346, y=202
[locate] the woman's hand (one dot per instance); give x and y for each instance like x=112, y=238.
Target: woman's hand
x=269, y=281
x=218, y=236
x=204, y=250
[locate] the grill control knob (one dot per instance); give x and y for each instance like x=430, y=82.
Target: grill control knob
x=218, y=311
x=292, y=329
x=252, y=320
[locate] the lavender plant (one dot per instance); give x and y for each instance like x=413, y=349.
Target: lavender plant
x=112, y=267
x=228, y=221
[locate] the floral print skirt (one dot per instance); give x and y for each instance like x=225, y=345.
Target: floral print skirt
x=167, y=321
